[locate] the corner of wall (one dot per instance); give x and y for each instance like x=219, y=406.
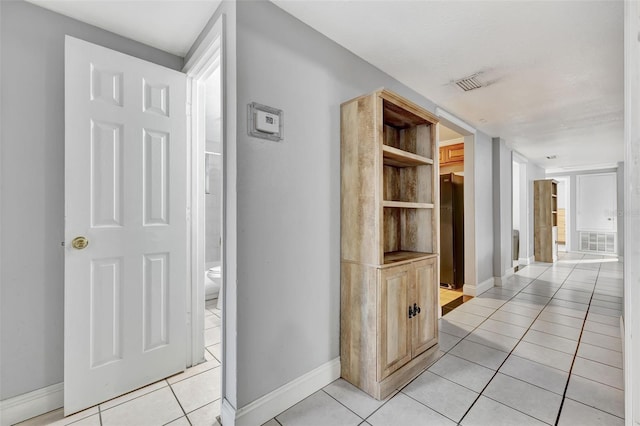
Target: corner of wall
x=475, y=290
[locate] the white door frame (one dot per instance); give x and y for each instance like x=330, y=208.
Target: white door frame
x=631, y=339
x=206, y=58
x=524, y=208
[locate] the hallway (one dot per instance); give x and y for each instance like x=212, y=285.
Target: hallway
x=544, y=348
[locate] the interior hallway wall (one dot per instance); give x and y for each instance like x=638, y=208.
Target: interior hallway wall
x=32, y=193
x=534, y=172
x=289, y=195
x=502, y=208
x=483, y=173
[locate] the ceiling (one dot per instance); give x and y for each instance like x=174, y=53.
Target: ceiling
x=552, y=70
x=169, y=25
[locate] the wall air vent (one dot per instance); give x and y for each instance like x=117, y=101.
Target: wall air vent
x=469, y=83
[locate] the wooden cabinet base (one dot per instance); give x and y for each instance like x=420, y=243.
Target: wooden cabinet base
x=381, y=390
x=407, y=373
x=388, y=323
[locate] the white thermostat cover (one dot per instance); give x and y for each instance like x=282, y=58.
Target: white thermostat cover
x=264, y=122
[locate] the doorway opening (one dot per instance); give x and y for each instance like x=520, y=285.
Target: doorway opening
x=521, y=214
x=564, y=214
x=205, y=77
x=596, y=217
x=451, y=162
x=213, y=213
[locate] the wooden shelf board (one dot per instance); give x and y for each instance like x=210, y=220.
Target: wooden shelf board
x=402, y=256
x=401, y=113
x=399, y=158
x=407, y=205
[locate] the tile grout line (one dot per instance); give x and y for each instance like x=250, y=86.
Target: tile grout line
x=463, y=338
x=432, y=409
x=335, y=399
x=573, y=361
x=179, y=403
x=519, y=341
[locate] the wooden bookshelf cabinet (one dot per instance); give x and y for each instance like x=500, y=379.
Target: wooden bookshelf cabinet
x=389, y=241
x=545, y=220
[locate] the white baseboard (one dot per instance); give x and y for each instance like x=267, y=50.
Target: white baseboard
x=498, y=281
x=264, y=409
x=474, y=290
x=25, y=406
x=227, y=413
x=526, y=260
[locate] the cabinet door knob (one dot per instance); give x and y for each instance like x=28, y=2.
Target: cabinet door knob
x=416, y=309
x=410, y=312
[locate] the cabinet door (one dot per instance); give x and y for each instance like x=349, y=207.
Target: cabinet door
x=443, y=155
x=394, y=338
x=456, y=153
x=425, y=294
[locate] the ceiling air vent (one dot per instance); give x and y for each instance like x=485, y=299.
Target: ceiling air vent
x=469, y=83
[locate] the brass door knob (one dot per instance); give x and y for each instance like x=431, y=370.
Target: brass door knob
x=79, y=243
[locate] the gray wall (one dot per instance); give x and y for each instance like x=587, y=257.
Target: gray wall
x=575, y=235
x=502, y=207
x=483, y=154
x=32, y=195
x=534, y=172
x=289, y=195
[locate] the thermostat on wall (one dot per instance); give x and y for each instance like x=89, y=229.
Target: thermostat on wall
x=265, y=122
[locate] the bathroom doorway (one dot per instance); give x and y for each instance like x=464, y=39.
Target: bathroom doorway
x=213, y=204
x=205, y=72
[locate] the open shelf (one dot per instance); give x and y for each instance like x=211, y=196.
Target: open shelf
x=407, y=229
x=400, y=158
x=402, y=256
x=406, y=205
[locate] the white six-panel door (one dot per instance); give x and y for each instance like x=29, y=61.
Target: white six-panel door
x=597, y=202
x=125, y=192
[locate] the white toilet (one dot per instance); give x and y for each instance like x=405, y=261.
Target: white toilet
x=213, y=284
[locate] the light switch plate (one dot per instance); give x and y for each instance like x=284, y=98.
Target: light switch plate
x=265, y=122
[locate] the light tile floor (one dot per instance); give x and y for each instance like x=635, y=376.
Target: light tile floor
x=189, y=398
x=544, y=348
